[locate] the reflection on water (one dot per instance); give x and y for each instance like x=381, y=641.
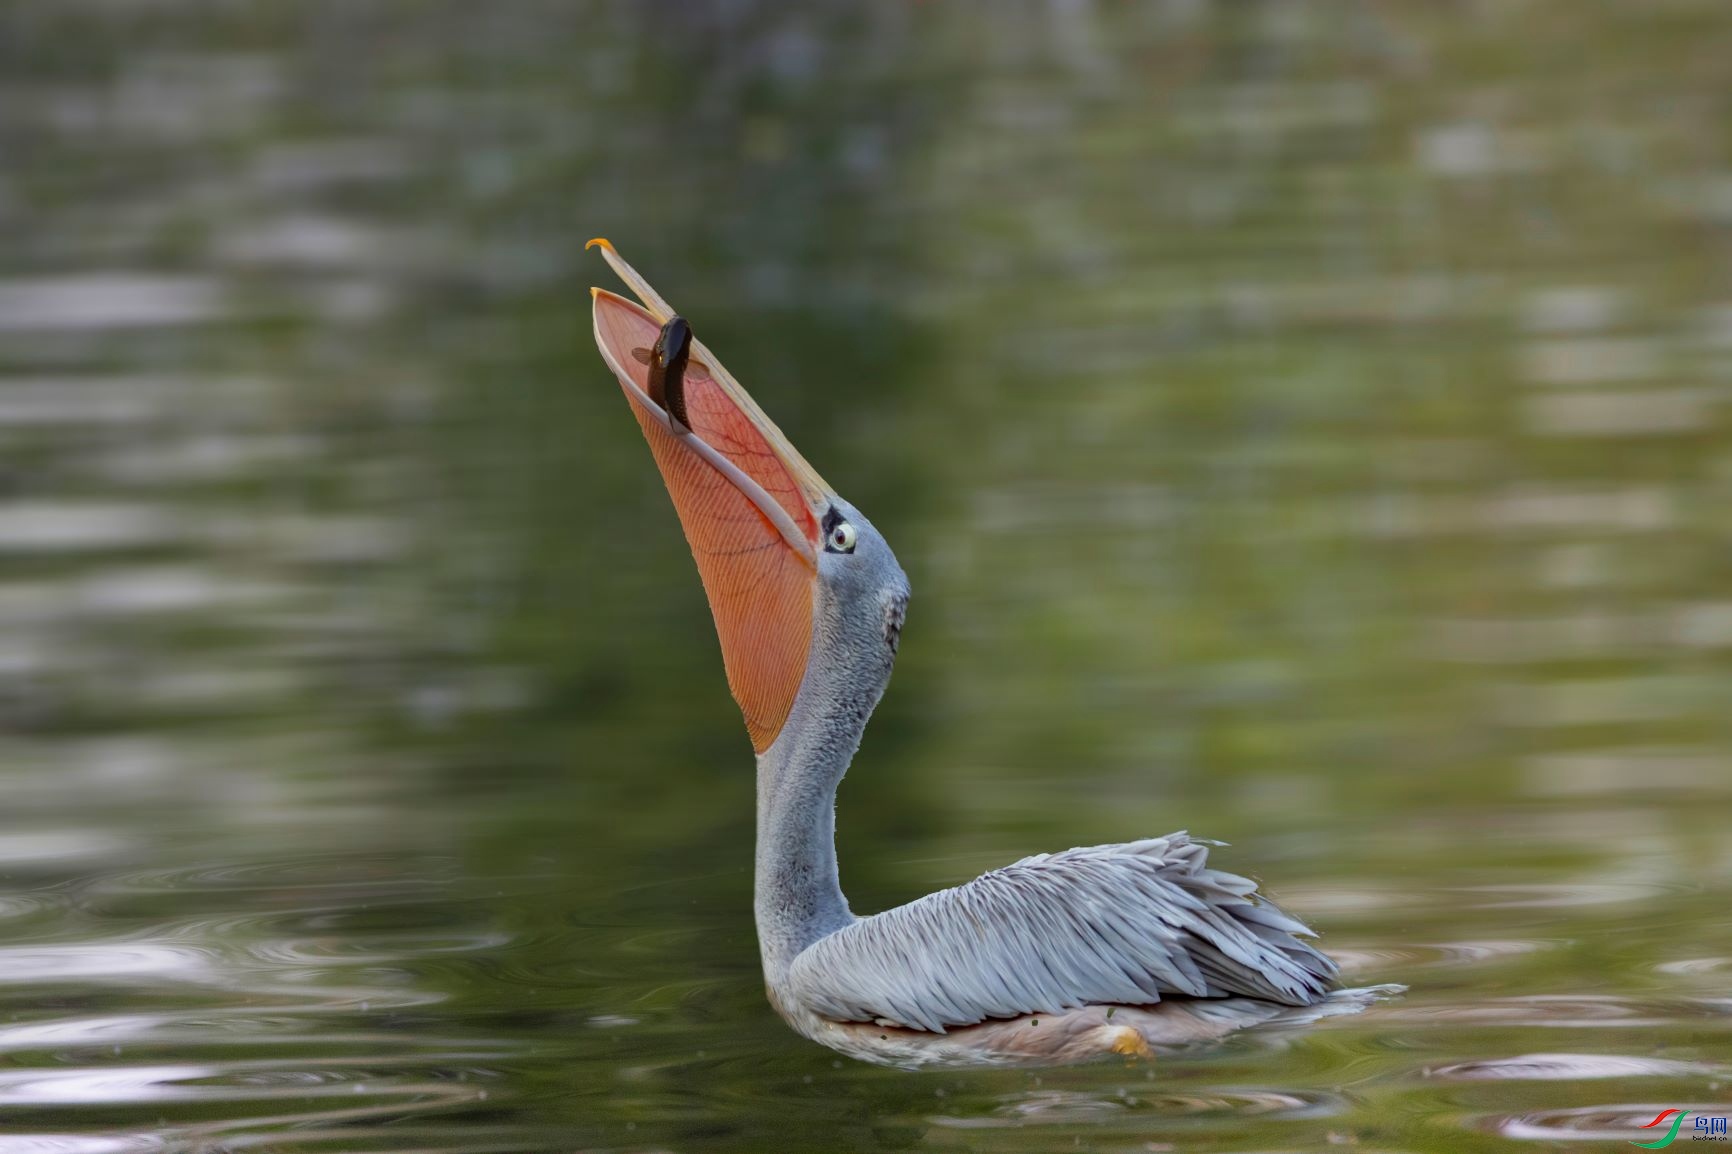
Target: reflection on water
x=1625, y=1123
x=1569, y=1067
x=1302, y=424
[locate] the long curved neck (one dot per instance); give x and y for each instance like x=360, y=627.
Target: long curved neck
x=798, y=894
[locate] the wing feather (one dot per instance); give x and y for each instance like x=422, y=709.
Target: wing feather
x=1118, y=924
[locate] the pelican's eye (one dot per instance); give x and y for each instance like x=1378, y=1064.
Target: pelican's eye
x=839, y=536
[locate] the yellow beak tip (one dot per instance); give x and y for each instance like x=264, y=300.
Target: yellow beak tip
x=601, y=240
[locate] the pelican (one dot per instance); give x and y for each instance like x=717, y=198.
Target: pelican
x=1057, y=958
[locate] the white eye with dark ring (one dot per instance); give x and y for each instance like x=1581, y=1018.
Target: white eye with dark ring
x=841, y=538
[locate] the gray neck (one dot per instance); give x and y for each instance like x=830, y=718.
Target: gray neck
x=798, y=895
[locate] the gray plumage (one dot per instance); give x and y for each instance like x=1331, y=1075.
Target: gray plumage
x=1059, y=957
x=1128, y=924
x=1188, y=951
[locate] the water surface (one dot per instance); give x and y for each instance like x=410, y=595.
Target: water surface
x=1305, y=424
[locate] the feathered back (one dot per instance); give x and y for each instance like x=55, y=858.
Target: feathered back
x=1125, y=924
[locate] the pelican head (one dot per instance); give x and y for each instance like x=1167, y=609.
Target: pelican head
x=804, y=590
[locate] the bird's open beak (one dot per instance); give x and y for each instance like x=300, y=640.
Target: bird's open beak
x=749, y=503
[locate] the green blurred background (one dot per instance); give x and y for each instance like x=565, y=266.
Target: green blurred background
x=1305, y=423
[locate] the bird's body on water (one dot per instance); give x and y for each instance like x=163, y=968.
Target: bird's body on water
x=1058, y=957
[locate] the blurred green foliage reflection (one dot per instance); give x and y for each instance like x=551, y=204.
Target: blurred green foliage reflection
x=1304, y=423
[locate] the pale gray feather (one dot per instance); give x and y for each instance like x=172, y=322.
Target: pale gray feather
x=1129, y=924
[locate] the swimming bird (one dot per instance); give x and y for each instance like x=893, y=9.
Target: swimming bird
x=1056, y=958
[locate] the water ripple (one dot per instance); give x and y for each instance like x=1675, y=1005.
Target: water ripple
x=227, y=1082
x=1068, y=1107
x=21, y=905
x=1587, y=1010
x=1568, y=895
x=368, y=951
x=1567, y=1067
x=313, y=1025
x=1383, y=958
x=1604, y=1123
x=1693, y=967
x=337, y=873
x=140, y=961
x=78, y=1144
